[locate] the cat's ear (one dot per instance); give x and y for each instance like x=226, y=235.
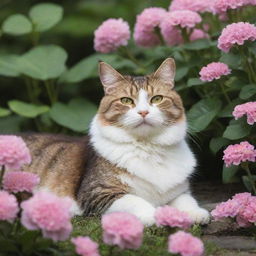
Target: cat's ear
x=166, y=72
x=109, y=76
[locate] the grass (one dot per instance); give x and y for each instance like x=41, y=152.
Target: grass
x=154, y=242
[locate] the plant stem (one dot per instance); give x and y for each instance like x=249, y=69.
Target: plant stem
x=2, y=175
x=246, y=168
x=225, y=93
x=50, y=92
x=158, y=33
x=185, y=35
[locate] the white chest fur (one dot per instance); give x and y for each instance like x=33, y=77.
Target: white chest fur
x=159, y=166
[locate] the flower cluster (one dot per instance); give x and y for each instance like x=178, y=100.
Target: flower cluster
x=195, y=5
x=8, y=206
x=248, y=109
x=185, y=244
x=17, y=181
x=213, y=71
x=236, y=34
x=172, y=217
x=85, y=246
x=122, y=229
x=110, y=35
x=13, y=152
x=235, y=154
x=49, y=213
x=242, y=207
x=221, y=6
x=146, y=24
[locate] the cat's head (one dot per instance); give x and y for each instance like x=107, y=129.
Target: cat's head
x=142, y=104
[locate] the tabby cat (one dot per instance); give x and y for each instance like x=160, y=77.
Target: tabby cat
x=135, y=158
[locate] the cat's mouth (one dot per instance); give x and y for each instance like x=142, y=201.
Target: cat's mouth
x=143, y=123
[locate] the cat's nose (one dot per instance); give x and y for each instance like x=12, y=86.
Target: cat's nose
x=143, y=113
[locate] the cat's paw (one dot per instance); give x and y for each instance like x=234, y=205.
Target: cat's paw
x=147, y=218
x=199, y=216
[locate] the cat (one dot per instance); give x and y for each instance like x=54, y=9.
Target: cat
x=135, y=157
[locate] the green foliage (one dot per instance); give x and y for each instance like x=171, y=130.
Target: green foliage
x=228, y=173
x=237, y=130
x=17, y=25
x=76, y=115
x=45, y=16
x=9, y=65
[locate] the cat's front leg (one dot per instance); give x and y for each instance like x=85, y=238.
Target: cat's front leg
x=136, y=206
x=185, y=202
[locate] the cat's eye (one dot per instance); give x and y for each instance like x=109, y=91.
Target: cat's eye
x=156, y=99
x=127, y=101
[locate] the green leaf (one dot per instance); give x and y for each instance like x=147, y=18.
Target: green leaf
x=198, y=45
x=247, y=91
x=237, y=130
x=217, y=143
x=88, y=67
x=45, y=15
x=194, y=82
x=8, y=247
x=228, y=173
x=247, y=183
x=9, y=65
x=10, y=124
x=17, y=25
x=4, y=112
x=43, y=62
x=232, y=60
x=202, y=113
x=227, y=111
x=27, y=109
x=76, y=115
x=180, y=73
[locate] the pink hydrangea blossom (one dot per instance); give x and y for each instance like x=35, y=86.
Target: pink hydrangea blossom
x=185, y=244
x=171, y=34
x=49, y=213
x=242, y=207
x=85, y=246
x=13, y=152
x=236, y=34
x=195, y=5
x=248, y=109
x=8, y=206
x=213, y=71
x=110, y=35
x=226, y=209
x=146, y=23
x=198, y=34
x=122, y=229
x=235, y=154
x=17, y=181
x=184, y=19
x=221, y=6
x=172, y=217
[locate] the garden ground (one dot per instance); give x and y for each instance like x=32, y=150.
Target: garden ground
x=221, y=238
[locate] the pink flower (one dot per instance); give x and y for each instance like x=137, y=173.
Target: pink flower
x=48, y=212
x=242, y=198
x=17, y=181
x=248, y=109
x=185, y=244
x=184, y=19
x=198, y=34
x=122, y=229
x=172, y=217
x=226, y=209
x=221, y=6
x=85, y=246
x=8, y=206
x=213, y=71
x=235, y=154
x=171, y=34
x=13, y=152
x=195, y=5
x=146, y=23
x=110, y=35
x=236, y=33
x=248, y=212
